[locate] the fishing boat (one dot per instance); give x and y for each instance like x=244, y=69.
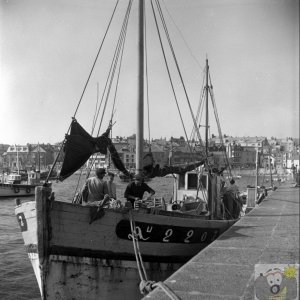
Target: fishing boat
x=20, y=183
x=13, y=186
x=103, y=252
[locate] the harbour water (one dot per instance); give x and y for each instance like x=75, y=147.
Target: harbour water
x=17, y=280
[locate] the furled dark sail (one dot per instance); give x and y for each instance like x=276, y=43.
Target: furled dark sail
x=80, y=145
x=116, y=159
x=156, y=171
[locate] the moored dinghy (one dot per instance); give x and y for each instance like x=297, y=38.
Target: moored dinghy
x=90, y=252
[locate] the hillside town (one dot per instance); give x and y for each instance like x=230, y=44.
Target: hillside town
x=280, y=154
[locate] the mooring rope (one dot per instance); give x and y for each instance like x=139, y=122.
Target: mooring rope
x=146, y=285
x=139, y=262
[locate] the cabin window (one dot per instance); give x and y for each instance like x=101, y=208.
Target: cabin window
x=192, y=181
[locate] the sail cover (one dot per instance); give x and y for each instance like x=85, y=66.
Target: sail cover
x=80, y=145
x=156, y=171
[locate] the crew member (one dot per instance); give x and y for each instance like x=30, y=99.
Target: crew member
x=233, y=188
x=231, y=201
x=136, y=189
x=97, y=187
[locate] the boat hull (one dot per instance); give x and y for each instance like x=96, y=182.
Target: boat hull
x=16, y=190
x=75, y=258
x=70, y=277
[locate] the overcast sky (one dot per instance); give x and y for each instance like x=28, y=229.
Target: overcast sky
x=48, y=48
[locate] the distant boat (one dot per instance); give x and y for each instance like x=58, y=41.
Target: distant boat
x=20, y=183
x=12, y=185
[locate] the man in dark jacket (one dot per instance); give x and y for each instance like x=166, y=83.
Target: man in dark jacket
x=136, y=189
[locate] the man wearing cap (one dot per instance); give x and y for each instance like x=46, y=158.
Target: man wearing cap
x=97, y=187
x=136, y=189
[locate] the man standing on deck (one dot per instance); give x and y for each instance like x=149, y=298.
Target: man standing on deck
x=136, y=189
x=232, y=202
x=97, y=187
x=233, y=188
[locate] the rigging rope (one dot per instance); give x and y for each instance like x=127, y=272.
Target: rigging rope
x=177, y=66
x=120, y=45
x=219, y=127
x=94, y=119
x=85, y=86
x=168, y=70
x=96, y=58
x=201, y=67
x=199, y=112
x=119, y=49
x=117, y=52
x=120, y=64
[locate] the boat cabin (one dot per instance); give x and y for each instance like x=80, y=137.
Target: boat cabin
x=190, y=187
x=190, y=192
x=34, y=177
x=14, y=178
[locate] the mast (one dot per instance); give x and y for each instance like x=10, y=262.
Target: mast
x=270, y=169
x=39, y=158
x=18, y=168
x=256, y=174
x=206, y=112
x=140, y=101
x=211, y=177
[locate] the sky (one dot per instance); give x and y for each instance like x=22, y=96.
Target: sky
x=47, y=50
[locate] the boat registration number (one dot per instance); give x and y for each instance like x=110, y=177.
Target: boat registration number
x=147, y=232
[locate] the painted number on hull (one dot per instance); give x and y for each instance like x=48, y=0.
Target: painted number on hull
x=168, y=233
x=22, y=221
x=146, y=232
x=188, y=236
